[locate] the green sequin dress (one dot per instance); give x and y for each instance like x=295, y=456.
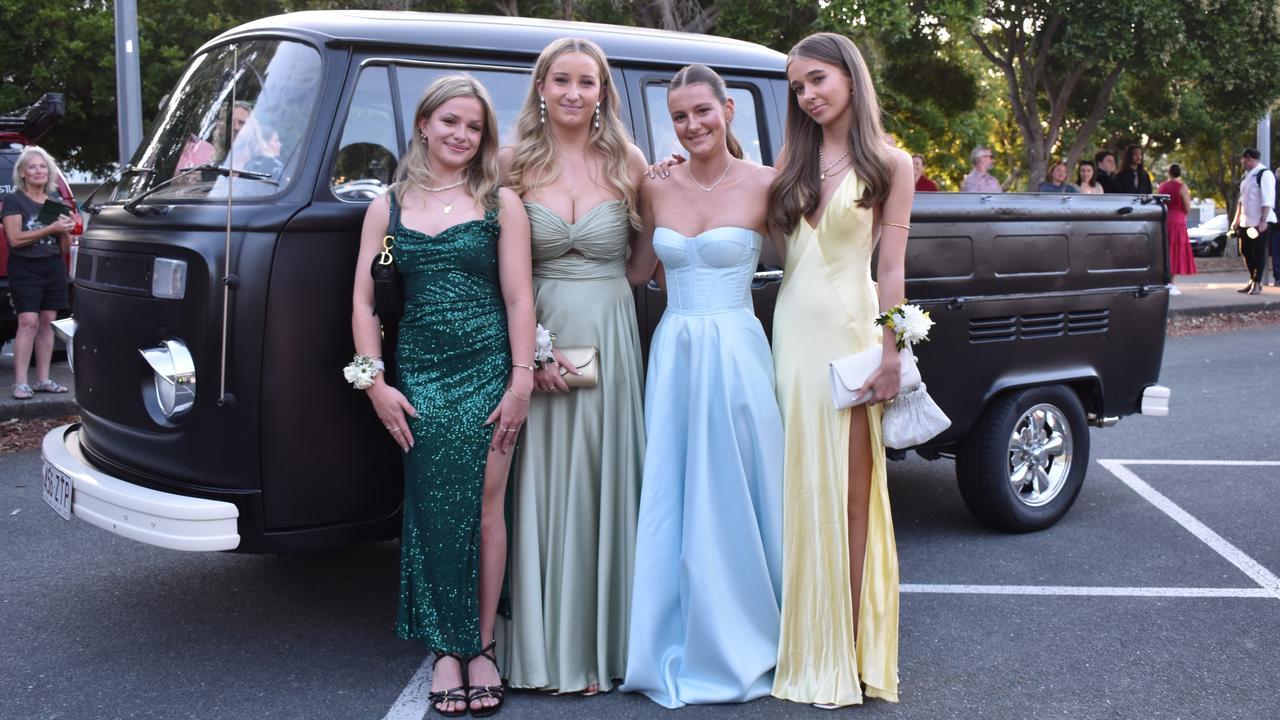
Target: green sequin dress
x=454, y=359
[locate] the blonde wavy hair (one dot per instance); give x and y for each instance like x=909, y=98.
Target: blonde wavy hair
x=481, y=174
x=33, y=151
x=534, y=163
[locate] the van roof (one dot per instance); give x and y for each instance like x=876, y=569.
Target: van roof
x=512, y=36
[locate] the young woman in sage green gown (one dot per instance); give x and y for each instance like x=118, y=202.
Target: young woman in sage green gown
x=576, y=490
x=465, y=376
x=839, y=190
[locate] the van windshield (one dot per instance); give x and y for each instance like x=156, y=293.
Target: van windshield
x=255, y=98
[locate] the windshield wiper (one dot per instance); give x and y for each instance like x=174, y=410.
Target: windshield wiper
x=122, y=173
x=222, y=170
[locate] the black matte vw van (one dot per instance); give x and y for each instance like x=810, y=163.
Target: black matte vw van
x=214, y=287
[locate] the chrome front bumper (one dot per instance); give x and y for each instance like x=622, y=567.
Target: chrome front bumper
x=158, y=518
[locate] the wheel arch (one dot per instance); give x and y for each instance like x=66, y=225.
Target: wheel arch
x=1084, y=381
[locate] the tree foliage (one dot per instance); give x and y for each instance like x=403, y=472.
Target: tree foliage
x=1036, y=80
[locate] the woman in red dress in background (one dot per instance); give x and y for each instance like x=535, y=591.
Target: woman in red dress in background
x=1181, y=261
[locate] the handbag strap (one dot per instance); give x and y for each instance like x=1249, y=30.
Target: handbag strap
x=393, y=223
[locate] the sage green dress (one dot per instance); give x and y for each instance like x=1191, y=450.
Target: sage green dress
x=576, y=492
x=454, y=358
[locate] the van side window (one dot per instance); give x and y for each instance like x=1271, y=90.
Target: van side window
x=508, y=89
x=746, y=124
x=368, y=153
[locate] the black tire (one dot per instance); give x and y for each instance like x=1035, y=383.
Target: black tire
x=986, y=459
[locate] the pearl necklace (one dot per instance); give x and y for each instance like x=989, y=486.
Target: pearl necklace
x=825, y=169
x=704, y=188
x=448, y=206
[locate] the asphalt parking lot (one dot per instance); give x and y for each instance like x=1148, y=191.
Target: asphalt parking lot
x=1156, y=597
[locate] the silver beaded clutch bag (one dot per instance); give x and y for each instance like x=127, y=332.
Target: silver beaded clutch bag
x=912, y=419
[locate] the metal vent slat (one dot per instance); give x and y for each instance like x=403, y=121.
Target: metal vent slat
x=1038, y=326
x=1085, y=322
x=1042, y=325
x=995, y=329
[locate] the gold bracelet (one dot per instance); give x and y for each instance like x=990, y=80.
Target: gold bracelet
x=518, y=365
x=904, y=227
x=518, y=395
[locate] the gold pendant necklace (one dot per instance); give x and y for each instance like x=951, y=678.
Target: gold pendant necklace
x=448, y=204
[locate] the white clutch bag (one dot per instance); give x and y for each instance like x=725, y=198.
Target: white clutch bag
x=851, y=371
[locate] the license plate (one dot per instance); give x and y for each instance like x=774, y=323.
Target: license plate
x=57, y=491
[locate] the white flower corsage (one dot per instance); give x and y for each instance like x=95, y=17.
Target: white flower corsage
x=910, y=324
x=361, y=371
x=542, y=345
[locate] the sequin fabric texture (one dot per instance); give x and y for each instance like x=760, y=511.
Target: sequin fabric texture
x=454, y=358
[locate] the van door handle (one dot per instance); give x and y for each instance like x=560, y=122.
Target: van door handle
x=767, y=275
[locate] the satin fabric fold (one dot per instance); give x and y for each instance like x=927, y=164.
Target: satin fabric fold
x=826, y=309
x=575, y=491
x=708, y=578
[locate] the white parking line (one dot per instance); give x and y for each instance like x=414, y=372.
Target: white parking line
x=1097, y=591
x=1234, y=555
x=412, y=703
x=1223, y=463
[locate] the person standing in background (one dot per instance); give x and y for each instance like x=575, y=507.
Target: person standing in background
x=923, y=183
x=1056, y=182
x=1256, y=209
x=1181, y=262
x=1087, y=179
x=1105, y=161
x=981, y=180
x=37, y=274
x=1133, y=177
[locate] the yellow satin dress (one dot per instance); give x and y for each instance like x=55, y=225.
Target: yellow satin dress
x=826, y=309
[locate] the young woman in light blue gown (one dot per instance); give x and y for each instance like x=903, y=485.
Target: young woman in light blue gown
x=707, y=586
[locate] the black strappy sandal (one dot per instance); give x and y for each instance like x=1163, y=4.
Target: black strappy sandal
x=484, y=692
x=452, y=695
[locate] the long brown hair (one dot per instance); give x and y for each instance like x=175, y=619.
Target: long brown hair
x=481, y=174
x=535, y=162
x=701, y=74
x=797, y=189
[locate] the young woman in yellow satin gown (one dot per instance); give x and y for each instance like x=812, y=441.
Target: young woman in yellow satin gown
x=839, y=190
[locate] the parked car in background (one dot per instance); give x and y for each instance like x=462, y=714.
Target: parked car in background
x=1209, y=239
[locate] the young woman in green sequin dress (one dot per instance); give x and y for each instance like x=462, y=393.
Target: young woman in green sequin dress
x=465, y=374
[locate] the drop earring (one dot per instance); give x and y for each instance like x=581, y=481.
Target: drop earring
x=542, y=109
x=597, y=119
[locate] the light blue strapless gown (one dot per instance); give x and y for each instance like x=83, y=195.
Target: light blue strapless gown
x=708, y=563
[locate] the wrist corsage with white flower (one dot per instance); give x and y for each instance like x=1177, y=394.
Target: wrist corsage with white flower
x=910, y=324
x=543, y=340
x=361, y=371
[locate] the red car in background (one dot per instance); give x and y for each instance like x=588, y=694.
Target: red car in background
x=18, y=129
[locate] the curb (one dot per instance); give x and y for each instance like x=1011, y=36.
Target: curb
x=37, y=409
x=1233, y=309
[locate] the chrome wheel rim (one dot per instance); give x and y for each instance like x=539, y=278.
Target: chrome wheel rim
x=1040, y=452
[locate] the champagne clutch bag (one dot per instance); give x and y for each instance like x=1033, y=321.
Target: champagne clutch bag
x=851, y=371
x=587, y=361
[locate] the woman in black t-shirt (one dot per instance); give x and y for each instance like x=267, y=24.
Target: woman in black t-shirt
x=37, y=275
